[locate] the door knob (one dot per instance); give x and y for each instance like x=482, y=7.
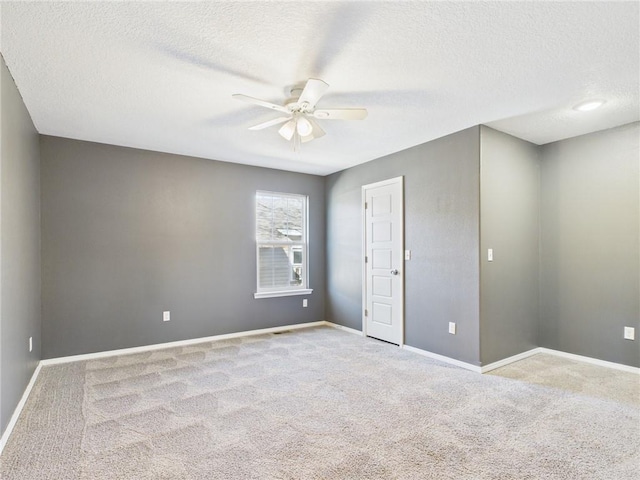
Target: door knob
x=394, y=272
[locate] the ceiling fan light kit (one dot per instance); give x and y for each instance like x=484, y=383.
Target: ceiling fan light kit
x=299, y=126
x=303, y=126
x=288, y=129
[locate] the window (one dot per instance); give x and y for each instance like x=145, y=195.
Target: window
x=281, y=244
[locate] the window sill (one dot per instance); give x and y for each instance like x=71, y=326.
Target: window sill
x=283, y=293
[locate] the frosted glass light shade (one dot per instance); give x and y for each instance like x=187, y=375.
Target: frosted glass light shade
x=304, y=126
x=288, y=129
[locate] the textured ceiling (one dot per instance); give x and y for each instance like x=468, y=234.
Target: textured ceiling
x=160, y=76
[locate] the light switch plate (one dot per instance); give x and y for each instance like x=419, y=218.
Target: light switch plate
x=629, y=333
x=490, y=255
x=452, y=328
x=407, y=254
x=166, y=316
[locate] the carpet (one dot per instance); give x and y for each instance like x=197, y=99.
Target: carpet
x=316, y=403
x=575, y=376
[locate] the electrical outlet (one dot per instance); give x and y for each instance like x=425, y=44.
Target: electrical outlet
x=31, y=344
x=304, y=302
x=452, y=328
x=490, y=255
x=629, y=333
x=166, y=316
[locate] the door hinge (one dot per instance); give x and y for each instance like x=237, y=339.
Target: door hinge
x=366, y=259
x=365, y=205
x=366, y=312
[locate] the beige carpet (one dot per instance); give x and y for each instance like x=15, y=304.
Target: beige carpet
x=574, y=376
x=313, y=404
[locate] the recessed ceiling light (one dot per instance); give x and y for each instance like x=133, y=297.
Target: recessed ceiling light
x=589, y=105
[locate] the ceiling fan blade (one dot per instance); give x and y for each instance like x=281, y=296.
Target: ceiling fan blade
x=313, y=91
x=341, y=114
x=275, y=121
x=262, y=103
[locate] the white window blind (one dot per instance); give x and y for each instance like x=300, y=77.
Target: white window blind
x=281, y=244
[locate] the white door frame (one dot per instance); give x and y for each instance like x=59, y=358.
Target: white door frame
x=382, y=183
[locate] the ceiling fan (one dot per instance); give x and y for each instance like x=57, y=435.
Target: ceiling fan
x=300, y=112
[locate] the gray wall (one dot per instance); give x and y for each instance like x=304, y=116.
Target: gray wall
x=129, y=233
x=441, y=181
x=509, y=223
x=20, y=247
x=590, y=244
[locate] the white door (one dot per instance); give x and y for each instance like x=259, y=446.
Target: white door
x=384, y=261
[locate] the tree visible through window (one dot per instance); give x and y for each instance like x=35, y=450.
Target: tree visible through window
x=281, y=238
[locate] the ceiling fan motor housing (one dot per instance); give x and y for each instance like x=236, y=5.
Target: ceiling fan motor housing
x=291, y=103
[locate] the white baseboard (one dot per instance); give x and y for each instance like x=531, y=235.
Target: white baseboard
x=19, y=407
x=593, y=361
x=442, y=358
x=522, y=356
x=508, y=360
x=341, y=327
x=179, y=343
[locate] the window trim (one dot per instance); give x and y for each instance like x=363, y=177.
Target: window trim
x=304, y=242
x=283, y=293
